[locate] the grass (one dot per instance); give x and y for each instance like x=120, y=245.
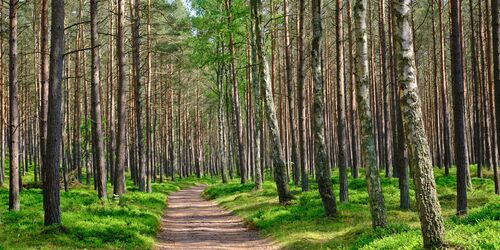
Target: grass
x=302, y=225
x=128, y=223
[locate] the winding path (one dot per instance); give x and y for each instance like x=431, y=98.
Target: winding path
x=191, y=222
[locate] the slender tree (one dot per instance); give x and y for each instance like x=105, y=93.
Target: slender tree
x=121, y=137
x=14, y=125
x=377, y=204
x=301, y=99
x=97, y=135
x=341, y=104
x=495, y=28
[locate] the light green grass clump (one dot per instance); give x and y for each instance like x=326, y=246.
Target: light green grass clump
x=302, y=225
x=88, y=223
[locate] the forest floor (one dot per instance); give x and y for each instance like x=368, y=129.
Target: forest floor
x=88, y=223
x=192, y=222
x=302, y=225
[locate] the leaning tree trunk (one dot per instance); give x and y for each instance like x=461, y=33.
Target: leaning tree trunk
x=420, y=159
x=377, y=204
x=323, y=173
x=51, y=196
x=14, y=200
x=97, y=138
x=265, y=81
x=121, y=137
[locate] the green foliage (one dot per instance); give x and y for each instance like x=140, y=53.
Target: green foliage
x=130, y=223
x=302, y=225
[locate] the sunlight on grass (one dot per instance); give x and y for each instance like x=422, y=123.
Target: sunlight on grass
x=130, y=223
x=302, y=225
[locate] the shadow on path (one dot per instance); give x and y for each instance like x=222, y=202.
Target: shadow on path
x=191, y=222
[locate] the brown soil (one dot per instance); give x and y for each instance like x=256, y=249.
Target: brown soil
x=191, y=222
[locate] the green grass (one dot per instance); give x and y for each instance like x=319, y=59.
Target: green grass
x=130, y=223
x=302, y=225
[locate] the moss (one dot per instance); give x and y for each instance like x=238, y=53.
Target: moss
x=129, y=223
x=302, y=225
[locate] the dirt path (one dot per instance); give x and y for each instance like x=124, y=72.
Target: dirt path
x=191, y=222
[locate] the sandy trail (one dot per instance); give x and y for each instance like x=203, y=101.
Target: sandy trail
x=191, y=222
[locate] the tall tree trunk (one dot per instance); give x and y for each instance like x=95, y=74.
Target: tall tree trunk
x=341, y=105
x=44, y=82
x=291, y=97
x=386, y=86
x=136, y=61
x=444, y=92
x=236, y=99
x=377, y=204
x=420, y=159
x=459, y=106
x=354, y=113
x=495, y=25
x=14, y=125
x=257, y=94
x=323, y=173
x=121, y=137
x=301, y=99
x=265, y=81
x=97, y=135
x=51, y=196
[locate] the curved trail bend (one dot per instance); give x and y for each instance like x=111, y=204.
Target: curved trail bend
x=191, y=222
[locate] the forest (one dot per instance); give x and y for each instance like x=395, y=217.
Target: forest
x=249, y=124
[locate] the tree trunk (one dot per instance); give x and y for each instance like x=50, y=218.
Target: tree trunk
x=341, y=105
x=51, y=196
x=97, y=135
x=323, y=173
x=121, y=137
x=495, y=24
x=301, y=99
x=420, y=160
x=377, y=204
x=136, y=64
x=265, y=81
x=291, y=98
x=14, y=199
x=459, y=107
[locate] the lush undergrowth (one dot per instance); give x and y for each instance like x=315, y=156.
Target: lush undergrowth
x=303, y=226
x=88, y=223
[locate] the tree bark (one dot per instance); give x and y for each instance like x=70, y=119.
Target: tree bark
x=377, y=204
x=459, y=107
x=495, y=27
x=97, y=135
x=420, y=160
x=265, y=81
x=51, y=196
x=341, y=105
x=323, y=173
x=14, y=125
x=301, y=99
x=121, y=137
